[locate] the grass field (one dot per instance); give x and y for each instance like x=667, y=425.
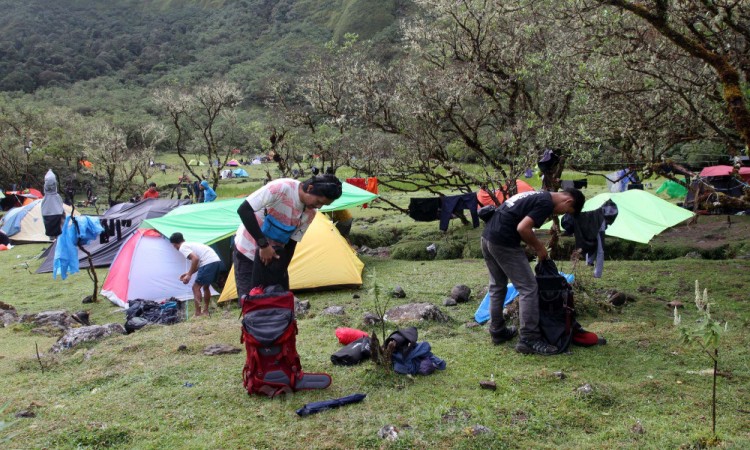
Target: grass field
x=140, y=391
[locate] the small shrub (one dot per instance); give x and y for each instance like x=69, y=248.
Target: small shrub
x=411, y=251
x=21, y=327
x=716, y=253
x=376, y=237
x=473, y=249
x=452, y=249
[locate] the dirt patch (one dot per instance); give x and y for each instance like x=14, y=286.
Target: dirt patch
x=708, y=232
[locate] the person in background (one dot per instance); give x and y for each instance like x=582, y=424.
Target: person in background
x=151, y=192
x=510, y=224
x=285, y=201
x=208, y=194
x=343, y=219
x=197, y=192
x=204, y=260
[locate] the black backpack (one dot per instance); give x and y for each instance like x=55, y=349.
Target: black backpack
x=556, y=310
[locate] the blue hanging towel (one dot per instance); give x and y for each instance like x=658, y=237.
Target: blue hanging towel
x=66, y=250
x=483, y=312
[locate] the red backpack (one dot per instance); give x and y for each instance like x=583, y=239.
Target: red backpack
x=269, y=332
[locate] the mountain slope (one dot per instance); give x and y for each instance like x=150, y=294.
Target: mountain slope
x=146, y=43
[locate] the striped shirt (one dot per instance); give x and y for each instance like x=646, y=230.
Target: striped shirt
x=280, y=198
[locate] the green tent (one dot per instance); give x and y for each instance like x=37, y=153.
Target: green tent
x=193, y=162
x=641, y=215
x=214, y=221
x=200, y=222
x=673, y=190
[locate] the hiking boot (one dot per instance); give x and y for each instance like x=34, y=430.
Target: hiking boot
x=506, y=334
x=537, y=346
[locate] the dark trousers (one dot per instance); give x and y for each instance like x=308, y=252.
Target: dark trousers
x=243, y=273
x=506, y=263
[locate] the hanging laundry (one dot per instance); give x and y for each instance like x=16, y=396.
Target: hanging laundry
x=589, y=230
x=359, y=182
x=76, y=230
x=424, y=209
x=455, y=204
x=372, y=185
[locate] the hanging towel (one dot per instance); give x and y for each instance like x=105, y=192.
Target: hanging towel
x=454, y=204
x=589, y=232
x=582, y=183
x=424, y=209
x=359, y=182
x=567, y=184
x=372, y=185
x=66, y=251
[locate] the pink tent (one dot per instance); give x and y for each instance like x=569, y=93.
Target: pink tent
x=233, y=163
x=723, y=171
x=147, y=267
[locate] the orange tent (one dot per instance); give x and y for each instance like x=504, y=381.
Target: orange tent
x=86, y=163
x=484, y=198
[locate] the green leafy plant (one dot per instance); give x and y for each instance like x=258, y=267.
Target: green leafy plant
x=705, y=335
x=380, y=354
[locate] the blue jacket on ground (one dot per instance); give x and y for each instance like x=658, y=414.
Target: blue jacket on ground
x=418, y=361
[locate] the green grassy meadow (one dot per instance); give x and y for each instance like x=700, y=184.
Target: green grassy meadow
x=139, y=391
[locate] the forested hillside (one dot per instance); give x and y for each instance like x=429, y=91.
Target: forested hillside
x=56, y=43
x=427, y=86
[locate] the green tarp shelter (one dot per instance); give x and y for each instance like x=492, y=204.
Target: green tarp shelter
x=214, y=221
x=641, y=215
x=672, y=189
x=350, y=196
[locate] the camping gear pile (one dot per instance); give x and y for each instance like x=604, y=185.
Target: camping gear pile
x=356, y=347
x=143, y=312
x=410, y=357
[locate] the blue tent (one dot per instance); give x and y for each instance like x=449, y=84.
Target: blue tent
x=12, y=221
x=240, y=173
